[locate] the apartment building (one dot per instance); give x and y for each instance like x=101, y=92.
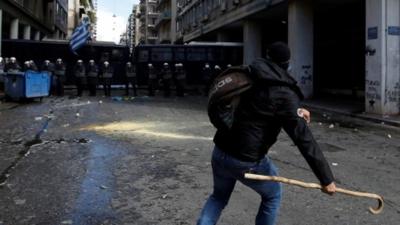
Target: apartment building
x=166, y=21
x=348, y=48
x=148, y=16
x=78, y=9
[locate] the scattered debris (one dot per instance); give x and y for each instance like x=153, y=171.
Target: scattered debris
x=67, y=222
x=17, y=141
x=88, y=102
x=66, y=125
x=38, y=118
x=19, y=201
x=335, y=164
x=320, y=123
x=50, y=116
x=164, y=196
x=82, y=141
x=77, y=115
x=117, y=98
x=389, y=136
x=383, y=123
x=103, y=187
x=331, y=126
x=100, y=102
x=355, y=129
x=152, y=156
x=61, y=141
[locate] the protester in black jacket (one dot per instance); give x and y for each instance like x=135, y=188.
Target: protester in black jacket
x=271, y=104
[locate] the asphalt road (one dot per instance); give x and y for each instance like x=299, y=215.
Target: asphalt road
x=147, y=161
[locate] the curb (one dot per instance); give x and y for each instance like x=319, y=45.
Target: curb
x=367, y=117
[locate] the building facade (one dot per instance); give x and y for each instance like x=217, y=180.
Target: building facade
x=78, y=9
x=131, y=37
x=166, y=21
x=355, y=55
x=148, y=16
x=33, y=20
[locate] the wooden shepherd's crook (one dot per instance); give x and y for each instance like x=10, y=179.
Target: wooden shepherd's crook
x=317, y=186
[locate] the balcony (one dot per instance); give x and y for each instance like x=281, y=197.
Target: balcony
x=154, y=38
x=153, y=14
x=163, y=17
x=152, y=2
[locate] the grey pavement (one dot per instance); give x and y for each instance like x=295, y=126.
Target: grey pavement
x=95, y=160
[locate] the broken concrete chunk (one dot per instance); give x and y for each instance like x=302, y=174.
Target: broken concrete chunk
x=19, y=201
x=66, y=222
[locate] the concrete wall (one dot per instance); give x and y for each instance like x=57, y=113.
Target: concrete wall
x=301, y=43
x=252, y=41
x=383, y=57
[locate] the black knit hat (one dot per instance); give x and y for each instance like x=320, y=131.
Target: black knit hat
x=278, y=52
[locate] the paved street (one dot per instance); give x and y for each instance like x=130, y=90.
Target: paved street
x=145, y=160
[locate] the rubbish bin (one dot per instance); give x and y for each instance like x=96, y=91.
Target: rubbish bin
x=19, y=85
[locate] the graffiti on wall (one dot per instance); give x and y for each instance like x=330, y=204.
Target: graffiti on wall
x=372, y=92
x=306, y=75
x=392, y=95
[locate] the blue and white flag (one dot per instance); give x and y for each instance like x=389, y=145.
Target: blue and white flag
x=80, y=36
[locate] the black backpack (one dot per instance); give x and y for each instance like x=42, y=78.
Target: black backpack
x=225, y=93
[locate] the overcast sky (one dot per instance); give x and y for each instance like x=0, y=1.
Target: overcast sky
x=108, y=27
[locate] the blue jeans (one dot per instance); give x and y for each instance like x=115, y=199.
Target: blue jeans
x=226, y=171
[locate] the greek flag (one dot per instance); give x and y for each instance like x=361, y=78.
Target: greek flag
x=80, y=36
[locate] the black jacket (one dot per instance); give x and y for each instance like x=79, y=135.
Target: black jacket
x=270, y=105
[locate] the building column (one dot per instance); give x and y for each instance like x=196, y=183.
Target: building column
x=301, y=43
x=14, y=29
x=173, y=21
x=27, y=32
x=382, y=91
x=252, y=41
x=37, y=36
x=1, y=28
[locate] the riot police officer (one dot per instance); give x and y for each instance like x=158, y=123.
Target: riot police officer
x=207, y=78
x=12, y=65
x=92, y=77
x=166, y=79
x=217, y=71
x=33, y=65
x=107, y=74
x=180, y=78
x=2, y=69
x=130, y=73
x=59, y=75
x=27, y=66
x=80, y=75
x=48, y=67
x=152, y=85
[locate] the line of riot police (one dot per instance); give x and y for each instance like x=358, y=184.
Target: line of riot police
x=92, y=75
x=56, y=71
